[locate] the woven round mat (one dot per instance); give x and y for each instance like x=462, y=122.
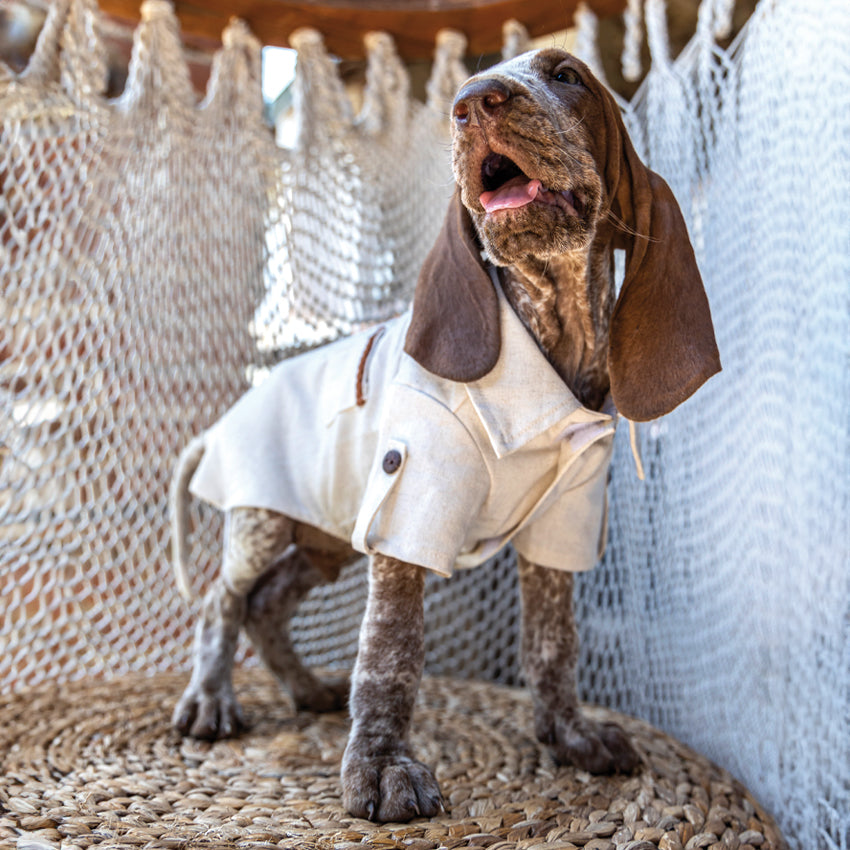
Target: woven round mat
x=97, y=764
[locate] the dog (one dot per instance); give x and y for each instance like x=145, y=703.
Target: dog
x=482, y=416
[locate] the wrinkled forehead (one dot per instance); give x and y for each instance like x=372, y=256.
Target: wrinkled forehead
x=534, y=70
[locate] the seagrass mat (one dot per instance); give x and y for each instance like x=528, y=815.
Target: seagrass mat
x=95, y=764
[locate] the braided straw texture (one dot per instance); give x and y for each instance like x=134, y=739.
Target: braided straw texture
x=98, y=766
x=157, y=254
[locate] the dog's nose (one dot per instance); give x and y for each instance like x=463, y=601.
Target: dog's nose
x=487, y=95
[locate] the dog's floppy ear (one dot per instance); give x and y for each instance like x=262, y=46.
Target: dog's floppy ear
x=662, y=346
x=454, y=330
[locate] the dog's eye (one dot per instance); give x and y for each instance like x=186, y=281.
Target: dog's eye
x=568, y=76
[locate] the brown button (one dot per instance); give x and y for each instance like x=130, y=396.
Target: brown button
x=392, y=461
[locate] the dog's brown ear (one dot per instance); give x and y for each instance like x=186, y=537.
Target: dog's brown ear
x=454, y=330
x=662, y=346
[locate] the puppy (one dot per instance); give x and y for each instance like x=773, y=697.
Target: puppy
x=484, y=415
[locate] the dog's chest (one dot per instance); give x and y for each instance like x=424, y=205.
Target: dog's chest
x=566, y=307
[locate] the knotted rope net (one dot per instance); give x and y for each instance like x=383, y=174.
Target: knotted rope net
x=158, y=254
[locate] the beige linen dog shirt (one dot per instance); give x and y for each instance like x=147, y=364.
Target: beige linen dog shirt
x=359, y=440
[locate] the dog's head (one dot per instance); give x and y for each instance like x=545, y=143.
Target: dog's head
x=526, y=155
x=544, y=167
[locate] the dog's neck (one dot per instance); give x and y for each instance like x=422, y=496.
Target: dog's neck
x=566, y=303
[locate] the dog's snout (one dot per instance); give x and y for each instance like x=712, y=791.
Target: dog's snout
x=487, y=94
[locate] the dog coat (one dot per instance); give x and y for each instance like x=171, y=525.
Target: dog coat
x=359, y=440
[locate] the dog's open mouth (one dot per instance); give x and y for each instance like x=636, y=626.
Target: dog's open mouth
x=506, y=187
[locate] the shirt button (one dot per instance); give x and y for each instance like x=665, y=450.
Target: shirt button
x=392, y=461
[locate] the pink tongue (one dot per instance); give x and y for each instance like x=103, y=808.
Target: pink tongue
x=517, y=192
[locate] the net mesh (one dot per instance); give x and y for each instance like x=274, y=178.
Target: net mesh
x=157, y=254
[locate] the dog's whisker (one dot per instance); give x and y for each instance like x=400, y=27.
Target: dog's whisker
x=623, y=227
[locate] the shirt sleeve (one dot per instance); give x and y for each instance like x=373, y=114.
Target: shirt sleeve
x=572, y=532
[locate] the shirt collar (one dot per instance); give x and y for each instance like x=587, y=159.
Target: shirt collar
x=523, y=395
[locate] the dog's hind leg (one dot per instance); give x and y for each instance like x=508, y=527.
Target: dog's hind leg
x=549, y=657
x=315, y=559
x=254, y=541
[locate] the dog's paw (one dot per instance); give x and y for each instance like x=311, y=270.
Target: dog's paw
x=208, y=715
x=599, y=748
x=389, y=789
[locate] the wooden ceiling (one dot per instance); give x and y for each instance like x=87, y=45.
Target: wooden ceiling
x=343, y=23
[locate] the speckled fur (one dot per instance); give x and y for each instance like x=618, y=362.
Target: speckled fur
x=557, y=274
x=276, y=562
x=556, y=270
x=570, y=324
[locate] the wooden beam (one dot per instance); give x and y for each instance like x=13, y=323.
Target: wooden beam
x=343, y=23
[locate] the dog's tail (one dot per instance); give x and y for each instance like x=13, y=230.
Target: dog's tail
x=187, y=463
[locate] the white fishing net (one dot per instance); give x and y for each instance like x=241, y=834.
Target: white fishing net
x=722, y=610
x=156, y=255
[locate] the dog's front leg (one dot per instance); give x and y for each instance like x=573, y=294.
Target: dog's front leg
x=549, y=658
x=380, y=778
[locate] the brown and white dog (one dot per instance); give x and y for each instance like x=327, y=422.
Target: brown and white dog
x=548, y=185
